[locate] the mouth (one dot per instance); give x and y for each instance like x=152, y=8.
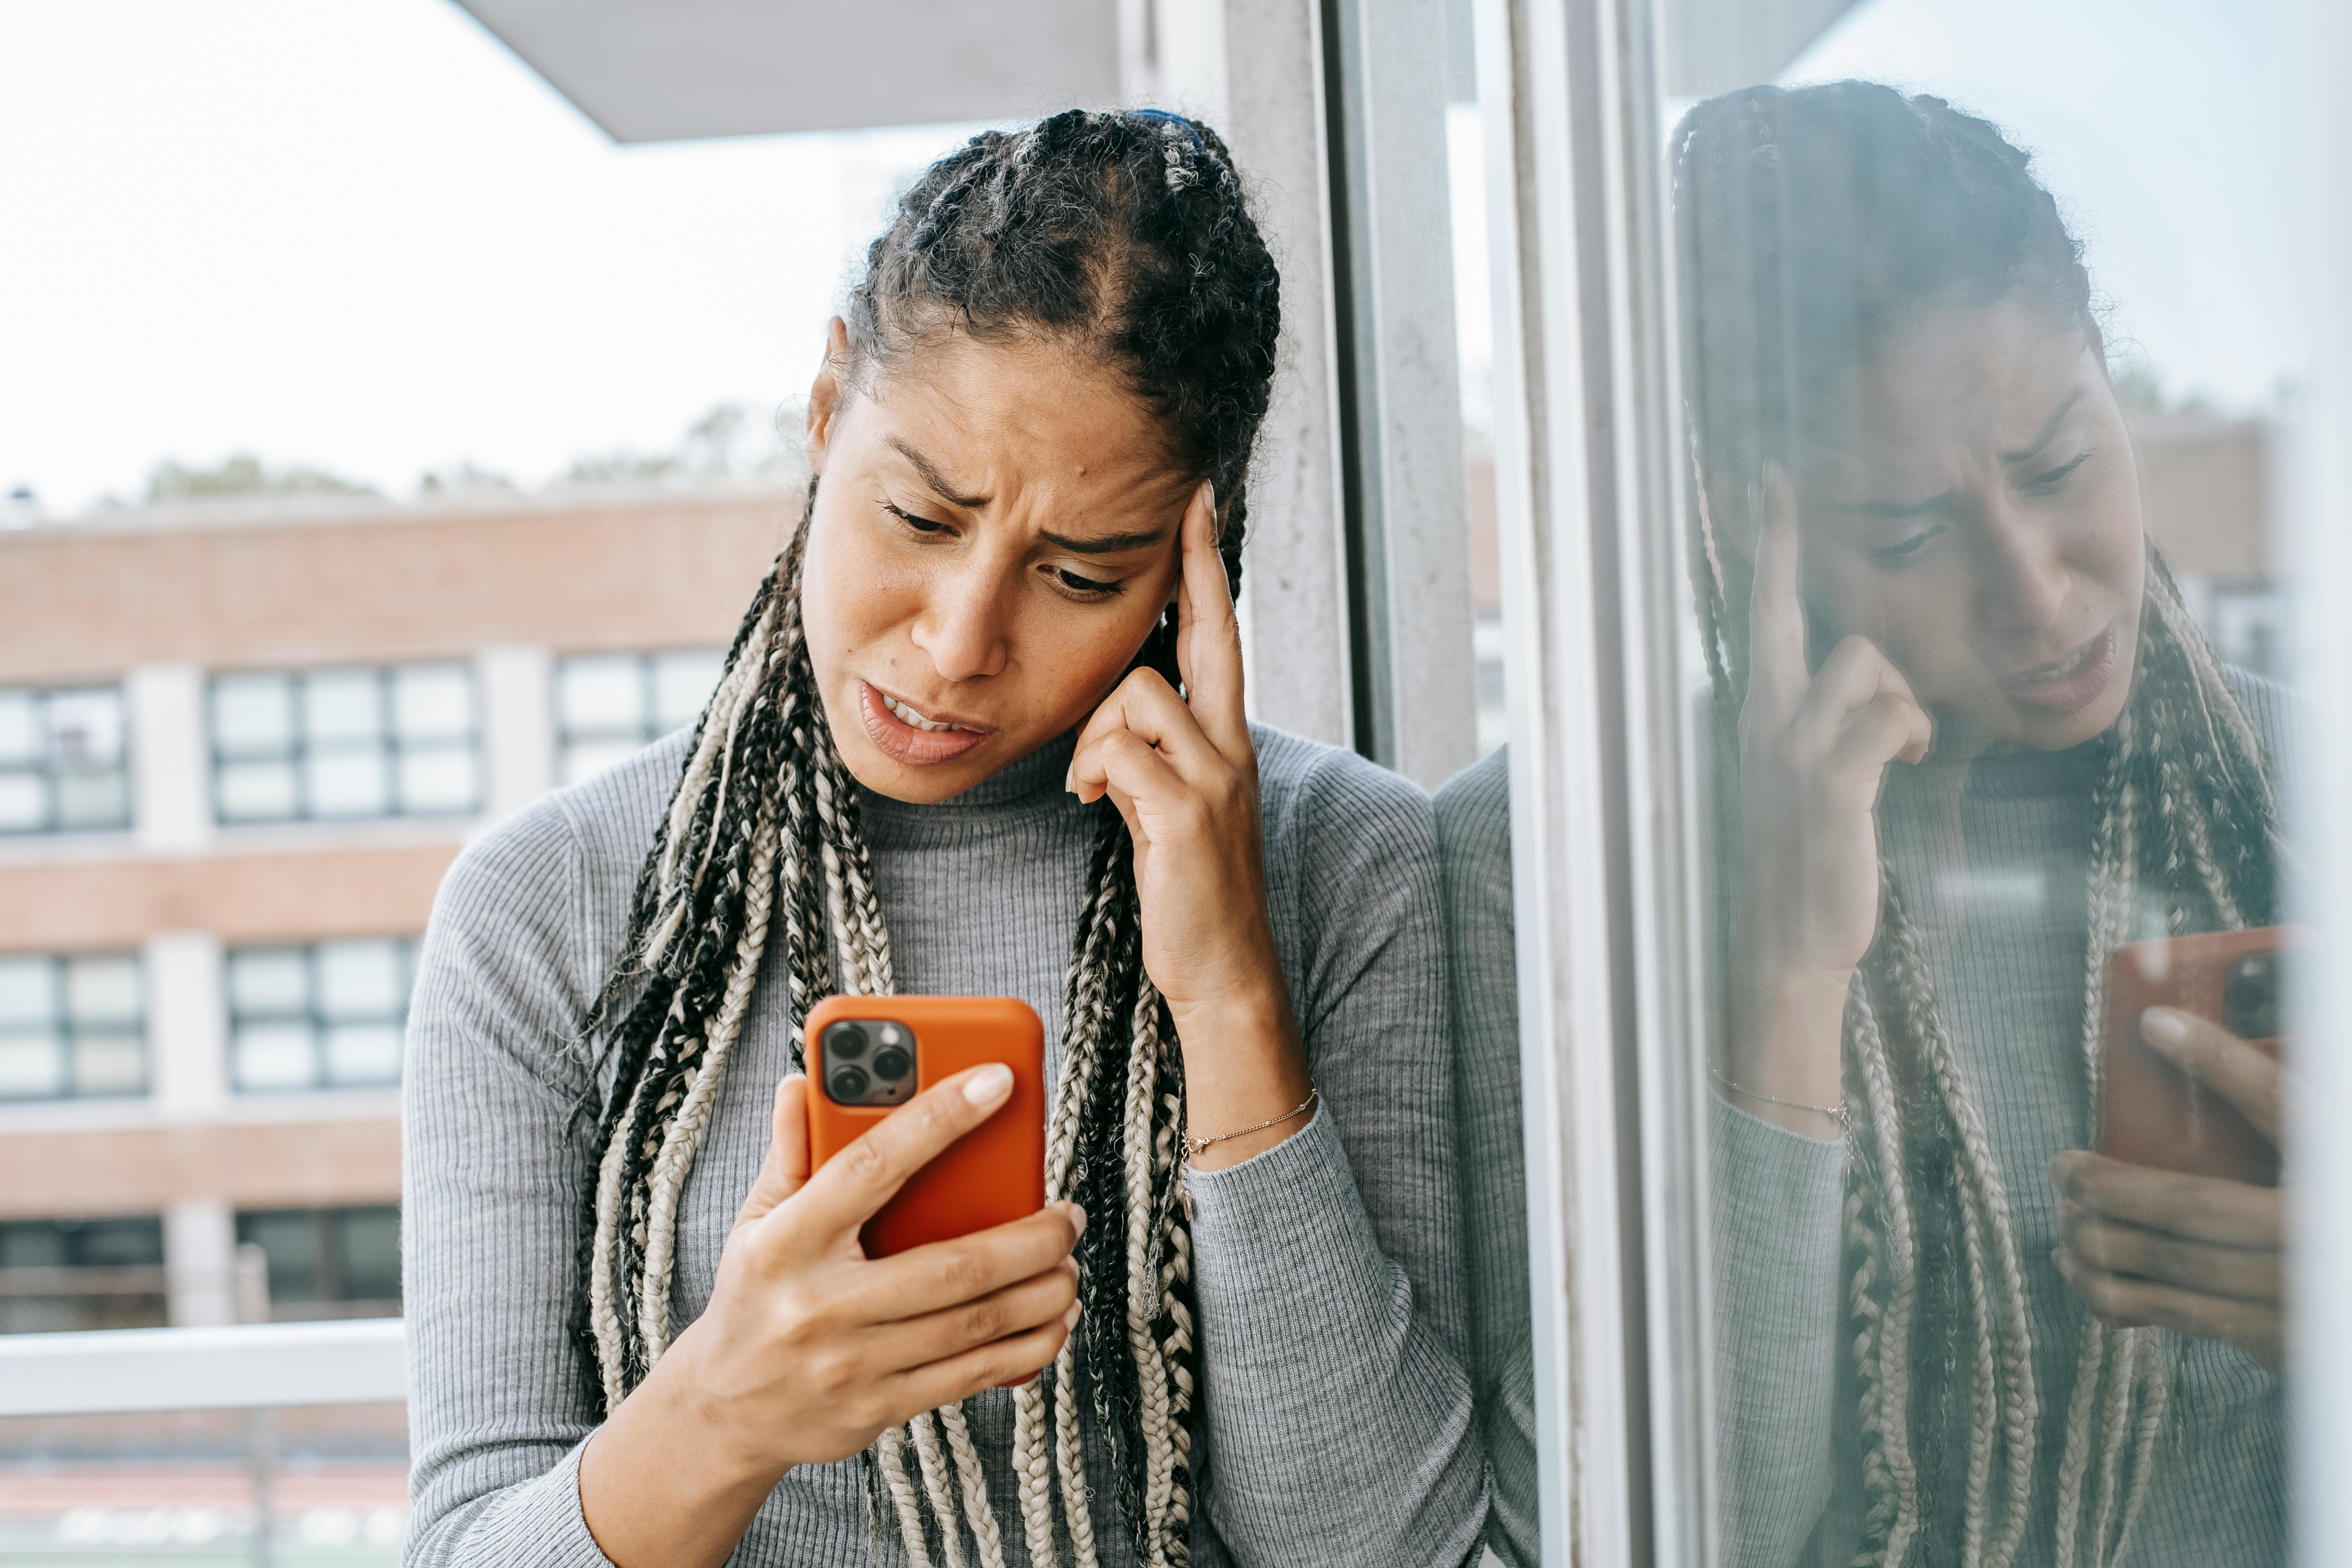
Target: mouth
x=906, y=734
x=2067, y=684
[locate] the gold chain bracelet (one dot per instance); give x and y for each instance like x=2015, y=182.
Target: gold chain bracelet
x=1837, y=1113
x=1193, y=1146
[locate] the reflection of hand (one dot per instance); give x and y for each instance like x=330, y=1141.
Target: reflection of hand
x=2195, y=1253
x=808, y=1348
x=1813, y=751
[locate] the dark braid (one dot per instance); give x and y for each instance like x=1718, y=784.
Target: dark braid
x=1810, y=225
x=1126, y=237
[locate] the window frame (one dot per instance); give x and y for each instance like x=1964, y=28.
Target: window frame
x=312, y=1015
x=389, y=747
x=47, y=768
x=69, y=1031
x=648, y=728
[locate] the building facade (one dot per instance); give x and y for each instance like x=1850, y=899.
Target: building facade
x=239, y=745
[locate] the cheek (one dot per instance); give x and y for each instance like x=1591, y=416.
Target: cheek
x=2110, y=549
x=849, y=597
x=1917, y=619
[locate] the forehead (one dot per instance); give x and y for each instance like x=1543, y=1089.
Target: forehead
x=1948, y=381
x=1014, y=414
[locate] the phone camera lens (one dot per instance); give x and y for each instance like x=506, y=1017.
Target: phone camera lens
x=847, y=1083
x=891, y=1062
x=845, y=1042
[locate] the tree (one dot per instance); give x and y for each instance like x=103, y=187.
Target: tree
x=242, y=474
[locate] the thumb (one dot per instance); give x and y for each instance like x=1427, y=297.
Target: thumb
x=786, y=1169
x=2238, y=1073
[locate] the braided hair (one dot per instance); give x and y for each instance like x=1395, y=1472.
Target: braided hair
x=1126, y=237
x=1809, y=224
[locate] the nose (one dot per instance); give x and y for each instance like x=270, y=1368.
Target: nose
x=962, y=626
x=2023, y=575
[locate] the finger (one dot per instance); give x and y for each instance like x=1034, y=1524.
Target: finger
x=1776, y=620
x=2245, y=1077
x=1033, y=1303
x=1888, y=728
x=1857, y=675
x=1015, y=1359
x=1146, y=706
x=2124, y=1302
x=866, y=1174
x=2246, y=1273
x=2202, y=1208
x=785, y=1169
x=945, y=1274
x=1123, y=763
x=1208, y=635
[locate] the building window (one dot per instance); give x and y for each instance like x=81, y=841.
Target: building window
x=72, y=1026
x=328, y=1263
x=608, y=705
x=58, y=1276
x=325, y=1016
x=345, y=744
x=62, y=761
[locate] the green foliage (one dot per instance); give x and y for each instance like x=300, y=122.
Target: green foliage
x=242, y=474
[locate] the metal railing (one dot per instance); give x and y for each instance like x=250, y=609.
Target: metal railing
x=249, y=1366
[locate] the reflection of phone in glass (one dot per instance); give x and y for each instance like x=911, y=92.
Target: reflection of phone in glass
x=2155, y=1114
x=869, y=1055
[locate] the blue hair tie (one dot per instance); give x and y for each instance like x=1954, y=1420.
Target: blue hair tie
x=1200, y=142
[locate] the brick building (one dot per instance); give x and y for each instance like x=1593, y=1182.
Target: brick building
x=240, y=744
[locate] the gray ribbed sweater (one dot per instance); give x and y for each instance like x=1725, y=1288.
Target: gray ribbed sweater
x=1997, y=881
x=1336, y=1420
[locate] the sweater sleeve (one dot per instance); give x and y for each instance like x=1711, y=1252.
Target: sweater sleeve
x=1777, y=1198
x=1329, y=1267
x=500, y=1404
x=1474, y=839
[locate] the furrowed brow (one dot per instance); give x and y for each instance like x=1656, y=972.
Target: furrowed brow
x=932, y=477
x=2049, y=430
x=1108, y=543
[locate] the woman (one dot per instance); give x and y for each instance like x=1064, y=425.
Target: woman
x=1979, y=744
x=959, y=748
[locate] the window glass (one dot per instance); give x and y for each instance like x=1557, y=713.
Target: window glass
x=327, y=1262
x=64, y=1275
x=609, y=705
x=326, y=1015
x=345, y=744
x=63, y=761
x=72, y=1026
x=1983, y=662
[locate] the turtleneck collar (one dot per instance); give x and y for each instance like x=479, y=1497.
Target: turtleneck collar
x=1032, y=779
x=2027, y=774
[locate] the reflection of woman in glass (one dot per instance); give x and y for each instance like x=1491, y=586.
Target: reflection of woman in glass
x=1925, y=589
x=643, y=1329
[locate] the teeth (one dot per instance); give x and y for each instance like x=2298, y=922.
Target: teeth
x=2080, y=658
x=911, y=717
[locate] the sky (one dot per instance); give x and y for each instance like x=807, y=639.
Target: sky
x=362, y=236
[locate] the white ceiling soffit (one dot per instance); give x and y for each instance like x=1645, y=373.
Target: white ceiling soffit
x=1715, y=45
x=667, y=71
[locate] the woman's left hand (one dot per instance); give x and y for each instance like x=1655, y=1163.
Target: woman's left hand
x=1184, y=774
x=2197, y=1255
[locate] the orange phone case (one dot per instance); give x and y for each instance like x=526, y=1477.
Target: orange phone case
x=993, y=1174
x=2153, y=1114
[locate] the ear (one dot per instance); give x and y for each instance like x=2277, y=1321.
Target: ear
x=828, y=392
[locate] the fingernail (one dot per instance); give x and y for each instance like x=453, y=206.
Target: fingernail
x=1070, y=1318
x=988, y=1085
x=2165, y=1029
x=1078, y=1219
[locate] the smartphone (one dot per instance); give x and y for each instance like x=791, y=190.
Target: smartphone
x=869, y=1055
x=2155, y=1114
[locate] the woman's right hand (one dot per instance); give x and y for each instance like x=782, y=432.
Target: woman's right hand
x=809, y=1349
x=1813, y=752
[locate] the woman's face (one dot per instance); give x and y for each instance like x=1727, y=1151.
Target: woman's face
x=1978, y=517
x=994, y=534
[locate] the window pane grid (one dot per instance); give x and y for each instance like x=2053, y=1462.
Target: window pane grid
x=64, y=760
x=323, y=1259
x=328, y=1015
x=609, y=705
x=345, y=745
x=72, y=1025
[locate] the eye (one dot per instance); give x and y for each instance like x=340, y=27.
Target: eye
x=920, y=524
x=1084, y=587
x=1904, y=551
x=2054, y=478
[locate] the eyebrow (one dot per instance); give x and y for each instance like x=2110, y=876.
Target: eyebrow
x=2048, y=431
x=933, y=478
x=1108, y=543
